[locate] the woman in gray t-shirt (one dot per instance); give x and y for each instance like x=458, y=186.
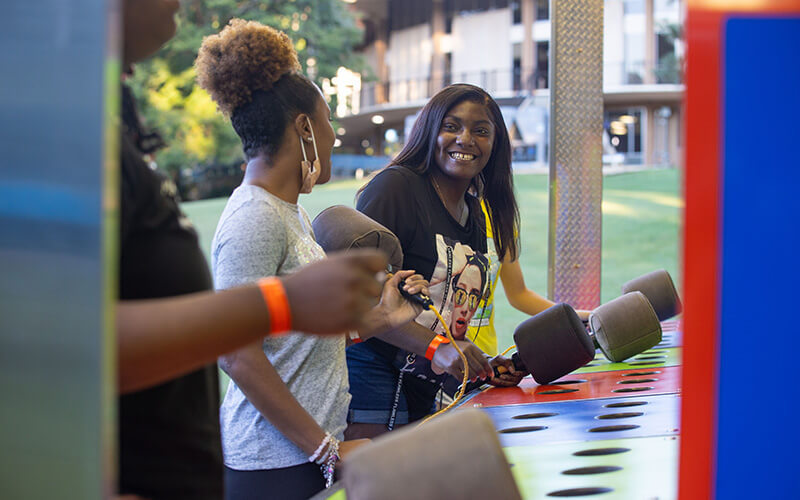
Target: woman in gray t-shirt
x=287, y=402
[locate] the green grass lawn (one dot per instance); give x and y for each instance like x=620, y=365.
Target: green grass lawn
x=641, y=229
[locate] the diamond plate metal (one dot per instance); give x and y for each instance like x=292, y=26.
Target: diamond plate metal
x=576, y=180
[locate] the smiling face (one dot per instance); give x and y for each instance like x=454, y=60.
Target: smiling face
x=467, y=294
x=465, y=139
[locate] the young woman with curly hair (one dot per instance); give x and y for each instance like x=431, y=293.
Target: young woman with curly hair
x=286, y=405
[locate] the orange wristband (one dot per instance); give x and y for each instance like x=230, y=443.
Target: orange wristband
x=280, y=316
x=437, y=340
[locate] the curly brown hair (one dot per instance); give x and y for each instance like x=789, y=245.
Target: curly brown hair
x=252, y=73
x=244, y=57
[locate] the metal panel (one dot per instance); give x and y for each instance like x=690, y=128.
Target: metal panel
x=58, y=93
x=576, y=181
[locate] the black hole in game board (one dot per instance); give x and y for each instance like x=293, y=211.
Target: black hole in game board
x=611, y=416
x=526, y=416
x=597, y=469
x=655, y=351
x=625, y=404
x=640, y=374
x=579, y=492
x=567, y=382
x=637, y=381
x=647, y=358
x=633, y=389
x=596, y=452
x=641, y=363
x=591, y=364
x=613, y=428
x=518, y=430
x=558, y=391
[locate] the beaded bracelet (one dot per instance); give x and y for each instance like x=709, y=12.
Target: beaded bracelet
x=328, y=467
x=316, y=455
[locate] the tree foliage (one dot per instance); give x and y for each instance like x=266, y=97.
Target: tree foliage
x=324, y=33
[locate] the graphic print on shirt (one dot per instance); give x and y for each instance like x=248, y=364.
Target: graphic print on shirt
x=459, y=285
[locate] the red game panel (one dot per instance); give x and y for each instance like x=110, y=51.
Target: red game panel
x=578, y=386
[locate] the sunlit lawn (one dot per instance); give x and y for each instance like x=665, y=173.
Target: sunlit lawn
x=641, y=214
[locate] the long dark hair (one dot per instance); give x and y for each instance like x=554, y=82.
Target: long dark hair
x=495, y=184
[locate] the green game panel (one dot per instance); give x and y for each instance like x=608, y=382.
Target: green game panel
x=653, y=358
x=639, y=468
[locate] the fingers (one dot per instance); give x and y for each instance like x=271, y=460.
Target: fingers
x=506, y=380
x=502, y=364
x=415, y=283
x=479, y=366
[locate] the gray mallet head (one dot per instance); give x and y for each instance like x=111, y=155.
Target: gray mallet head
x=553, y=343
x=342, y=228
x=456, y=455
x=660, y=290
x=625, y=326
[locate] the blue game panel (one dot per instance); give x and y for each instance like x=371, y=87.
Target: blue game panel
x=670, y=338
x=760, y=229
x=586, y=420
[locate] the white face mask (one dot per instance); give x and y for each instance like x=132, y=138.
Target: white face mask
x=309, y=170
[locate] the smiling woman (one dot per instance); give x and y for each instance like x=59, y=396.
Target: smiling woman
x=457, y=155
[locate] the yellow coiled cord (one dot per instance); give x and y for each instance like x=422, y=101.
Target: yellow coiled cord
x=460, y=392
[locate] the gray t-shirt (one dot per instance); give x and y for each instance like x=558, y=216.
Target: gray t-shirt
x=261, y=235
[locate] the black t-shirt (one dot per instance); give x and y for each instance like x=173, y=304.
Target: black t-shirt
x=169, y=435
x=449, y=255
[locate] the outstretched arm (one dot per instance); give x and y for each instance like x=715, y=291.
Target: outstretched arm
x=519, y=296
x=160, y=339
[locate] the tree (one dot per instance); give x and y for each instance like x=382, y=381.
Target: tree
x=324, y=33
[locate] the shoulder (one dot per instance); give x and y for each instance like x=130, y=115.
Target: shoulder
x=392, y=183
x=249, y=215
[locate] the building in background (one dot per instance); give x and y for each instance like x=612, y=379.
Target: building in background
x=416, y=47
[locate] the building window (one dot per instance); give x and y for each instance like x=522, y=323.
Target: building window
x=623, y=130
x=542, y=65
x=542, y=10
x=633, y=6
x=517, y=66
x=516, y=13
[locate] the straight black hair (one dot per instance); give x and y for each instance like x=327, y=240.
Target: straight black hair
x=495, y=183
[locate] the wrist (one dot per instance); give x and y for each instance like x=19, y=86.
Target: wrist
x=374, y=323
x=435, y=344
x=277, y=302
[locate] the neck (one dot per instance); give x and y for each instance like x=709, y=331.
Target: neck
x=452, y=192
x=280, y=177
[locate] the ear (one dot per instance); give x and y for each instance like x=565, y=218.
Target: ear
x=301, y=126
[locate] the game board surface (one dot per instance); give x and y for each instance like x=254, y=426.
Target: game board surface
x=608, y=430
x=577, y=386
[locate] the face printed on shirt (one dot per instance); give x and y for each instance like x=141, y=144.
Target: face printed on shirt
x=457, y=286
x=467, y=294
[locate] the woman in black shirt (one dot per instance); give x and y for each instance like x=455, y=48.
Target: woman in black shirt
x=458, y=154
